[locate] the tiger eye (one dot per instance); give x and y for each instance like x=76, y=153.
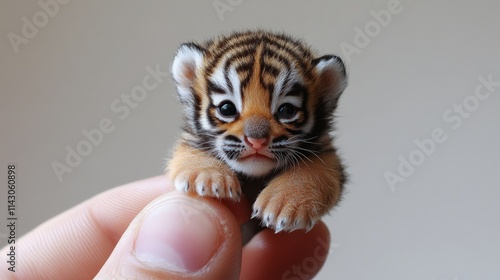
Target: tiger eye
x=286, y=111
x=227, y=109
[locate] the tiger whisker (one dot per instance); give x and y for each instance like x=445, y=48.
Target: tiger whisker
x=312, y=152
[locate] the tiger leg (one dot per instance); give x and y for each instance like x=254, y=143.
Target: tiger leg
x=195, y=171
x=297, y=198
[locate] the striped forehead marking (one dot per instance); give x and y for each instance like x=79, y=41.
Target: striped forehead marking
x=241, y=49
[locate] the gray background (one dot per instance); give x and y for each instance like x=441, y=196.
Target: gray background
x=442, y=222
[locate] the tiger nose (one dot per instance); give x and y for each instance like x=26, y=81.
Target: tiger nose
x=256, y=143
x=257, y=127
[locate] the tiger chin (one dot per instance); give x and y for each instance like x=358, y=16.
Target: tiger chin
x=258, y=110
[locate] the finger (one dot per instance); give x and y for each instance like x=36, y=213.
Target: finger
x=292, y=256
x=75, y=244
x=178, y=237
x=241, y=209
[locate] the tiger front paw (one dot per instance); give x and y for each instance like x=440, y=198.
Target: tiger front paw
x=287, y=206
x=211, y=182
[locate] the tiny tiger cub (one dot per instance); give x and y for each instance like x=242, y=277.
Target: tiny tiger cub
x=258, y=109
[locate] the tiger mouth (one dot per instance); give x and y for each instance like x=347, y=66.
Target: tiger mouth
x=256, y=156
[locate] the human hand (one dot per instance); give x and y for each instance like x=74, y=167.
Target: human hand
x=146, y=230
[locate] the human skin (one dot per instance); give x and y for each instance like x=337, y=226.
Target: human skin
x=109, y=235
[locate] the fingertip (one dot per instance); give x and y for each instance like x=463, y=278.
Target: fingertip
x=179, y=236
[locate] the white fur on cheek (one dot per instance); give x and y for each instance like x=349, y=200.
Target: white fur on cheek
x=205, y=123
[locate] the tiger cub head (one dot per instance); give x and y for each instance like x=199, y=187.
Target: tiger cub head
x=259, y=101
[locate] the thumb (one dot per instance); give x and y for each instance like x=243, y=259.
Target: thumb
x=178, y=237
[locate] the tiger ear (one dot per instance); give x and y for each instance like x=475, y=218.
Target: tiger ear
x=187, y=62
x=333, y=78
